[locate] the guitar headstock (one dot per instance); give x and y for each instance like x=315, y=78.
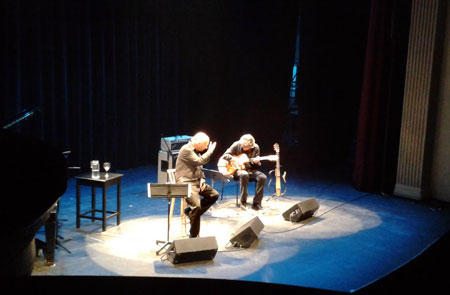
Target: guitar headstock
x=276, y=147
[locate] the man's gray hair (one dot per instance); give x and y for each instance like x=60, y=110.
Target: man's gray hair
x=247, y=140
x=200, y=137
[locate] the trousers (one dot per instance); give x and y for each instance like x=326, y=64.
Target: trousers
x=245, y=177
x=200, y=202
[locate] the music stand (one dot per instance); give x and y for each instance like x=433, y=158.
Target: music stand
x=216, y=175
x=169, y=191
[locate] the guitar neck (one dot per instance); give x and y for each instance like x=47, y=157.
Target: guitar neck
x=277, y=165
x=265, y=158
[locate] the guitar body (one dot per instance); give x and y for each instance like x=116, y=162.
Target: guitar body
x=230, y=167
x=280, y=181
x=238, y=163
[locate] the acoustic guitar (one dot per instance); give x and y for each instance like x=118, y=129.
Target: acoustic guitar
x=277, y=174
x=228, y=168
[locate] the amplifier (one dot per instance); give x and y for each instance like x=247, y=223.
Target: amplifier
x=174, y=143
x=166, y=161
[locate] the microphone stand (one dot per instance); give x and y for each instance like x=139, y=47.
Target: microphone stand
x=167, y=242
x=56, y=219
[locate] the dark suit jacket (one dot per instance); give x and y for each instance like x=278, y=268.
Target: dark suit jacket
x=189, y=165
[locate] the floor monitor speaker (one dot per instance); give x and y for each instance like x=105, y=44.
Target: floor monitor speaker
x=301, y=210
x=247, y=233
x=191, y=250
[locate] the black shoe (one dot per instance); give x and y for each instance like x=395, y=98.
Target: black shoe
x=243, y=205
x=257, y=207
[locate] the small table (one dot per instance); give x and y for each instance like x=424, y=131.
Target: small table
x=104, y=181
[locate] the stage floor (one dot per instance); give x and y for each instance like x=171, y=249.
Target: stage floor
x=354, y=239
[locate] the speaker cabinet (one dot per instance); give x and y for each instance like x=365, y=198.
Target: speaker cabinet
x=190, y=250
x=174, y=143
x=247, y=233
x=301, y=210
x=166, y=161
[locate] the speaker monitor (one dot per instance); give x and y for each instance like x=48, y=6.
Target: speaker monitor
x=247, y=233
x=190, y=250
x=301, y=210
x=166, y=161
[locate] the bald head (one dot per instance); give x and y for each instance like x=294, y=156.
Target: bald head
x=200, y=141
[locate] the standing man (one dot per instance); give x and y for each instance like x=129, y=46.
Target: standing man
x=249, y=172
x=189, y=169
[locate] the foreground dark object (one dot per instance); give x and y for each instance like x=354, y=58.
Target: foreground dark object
x=34, y=179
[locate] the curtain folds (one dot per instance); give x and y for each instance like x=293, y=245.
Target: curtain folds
x=112, y=76
x=104, y=73
x=382, y=96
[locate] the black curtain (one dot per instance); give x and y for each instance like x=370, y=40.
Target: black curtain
x=380, y=112
x=110, y=77
x=105, y=73
x=241, y=55
x=333, y=37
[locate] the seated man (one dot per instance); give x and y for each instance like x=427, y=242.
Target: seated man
x=189, y=169
x=248, y=170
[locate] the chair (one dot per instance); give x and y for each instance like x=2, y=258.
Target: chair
x=183, y=205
